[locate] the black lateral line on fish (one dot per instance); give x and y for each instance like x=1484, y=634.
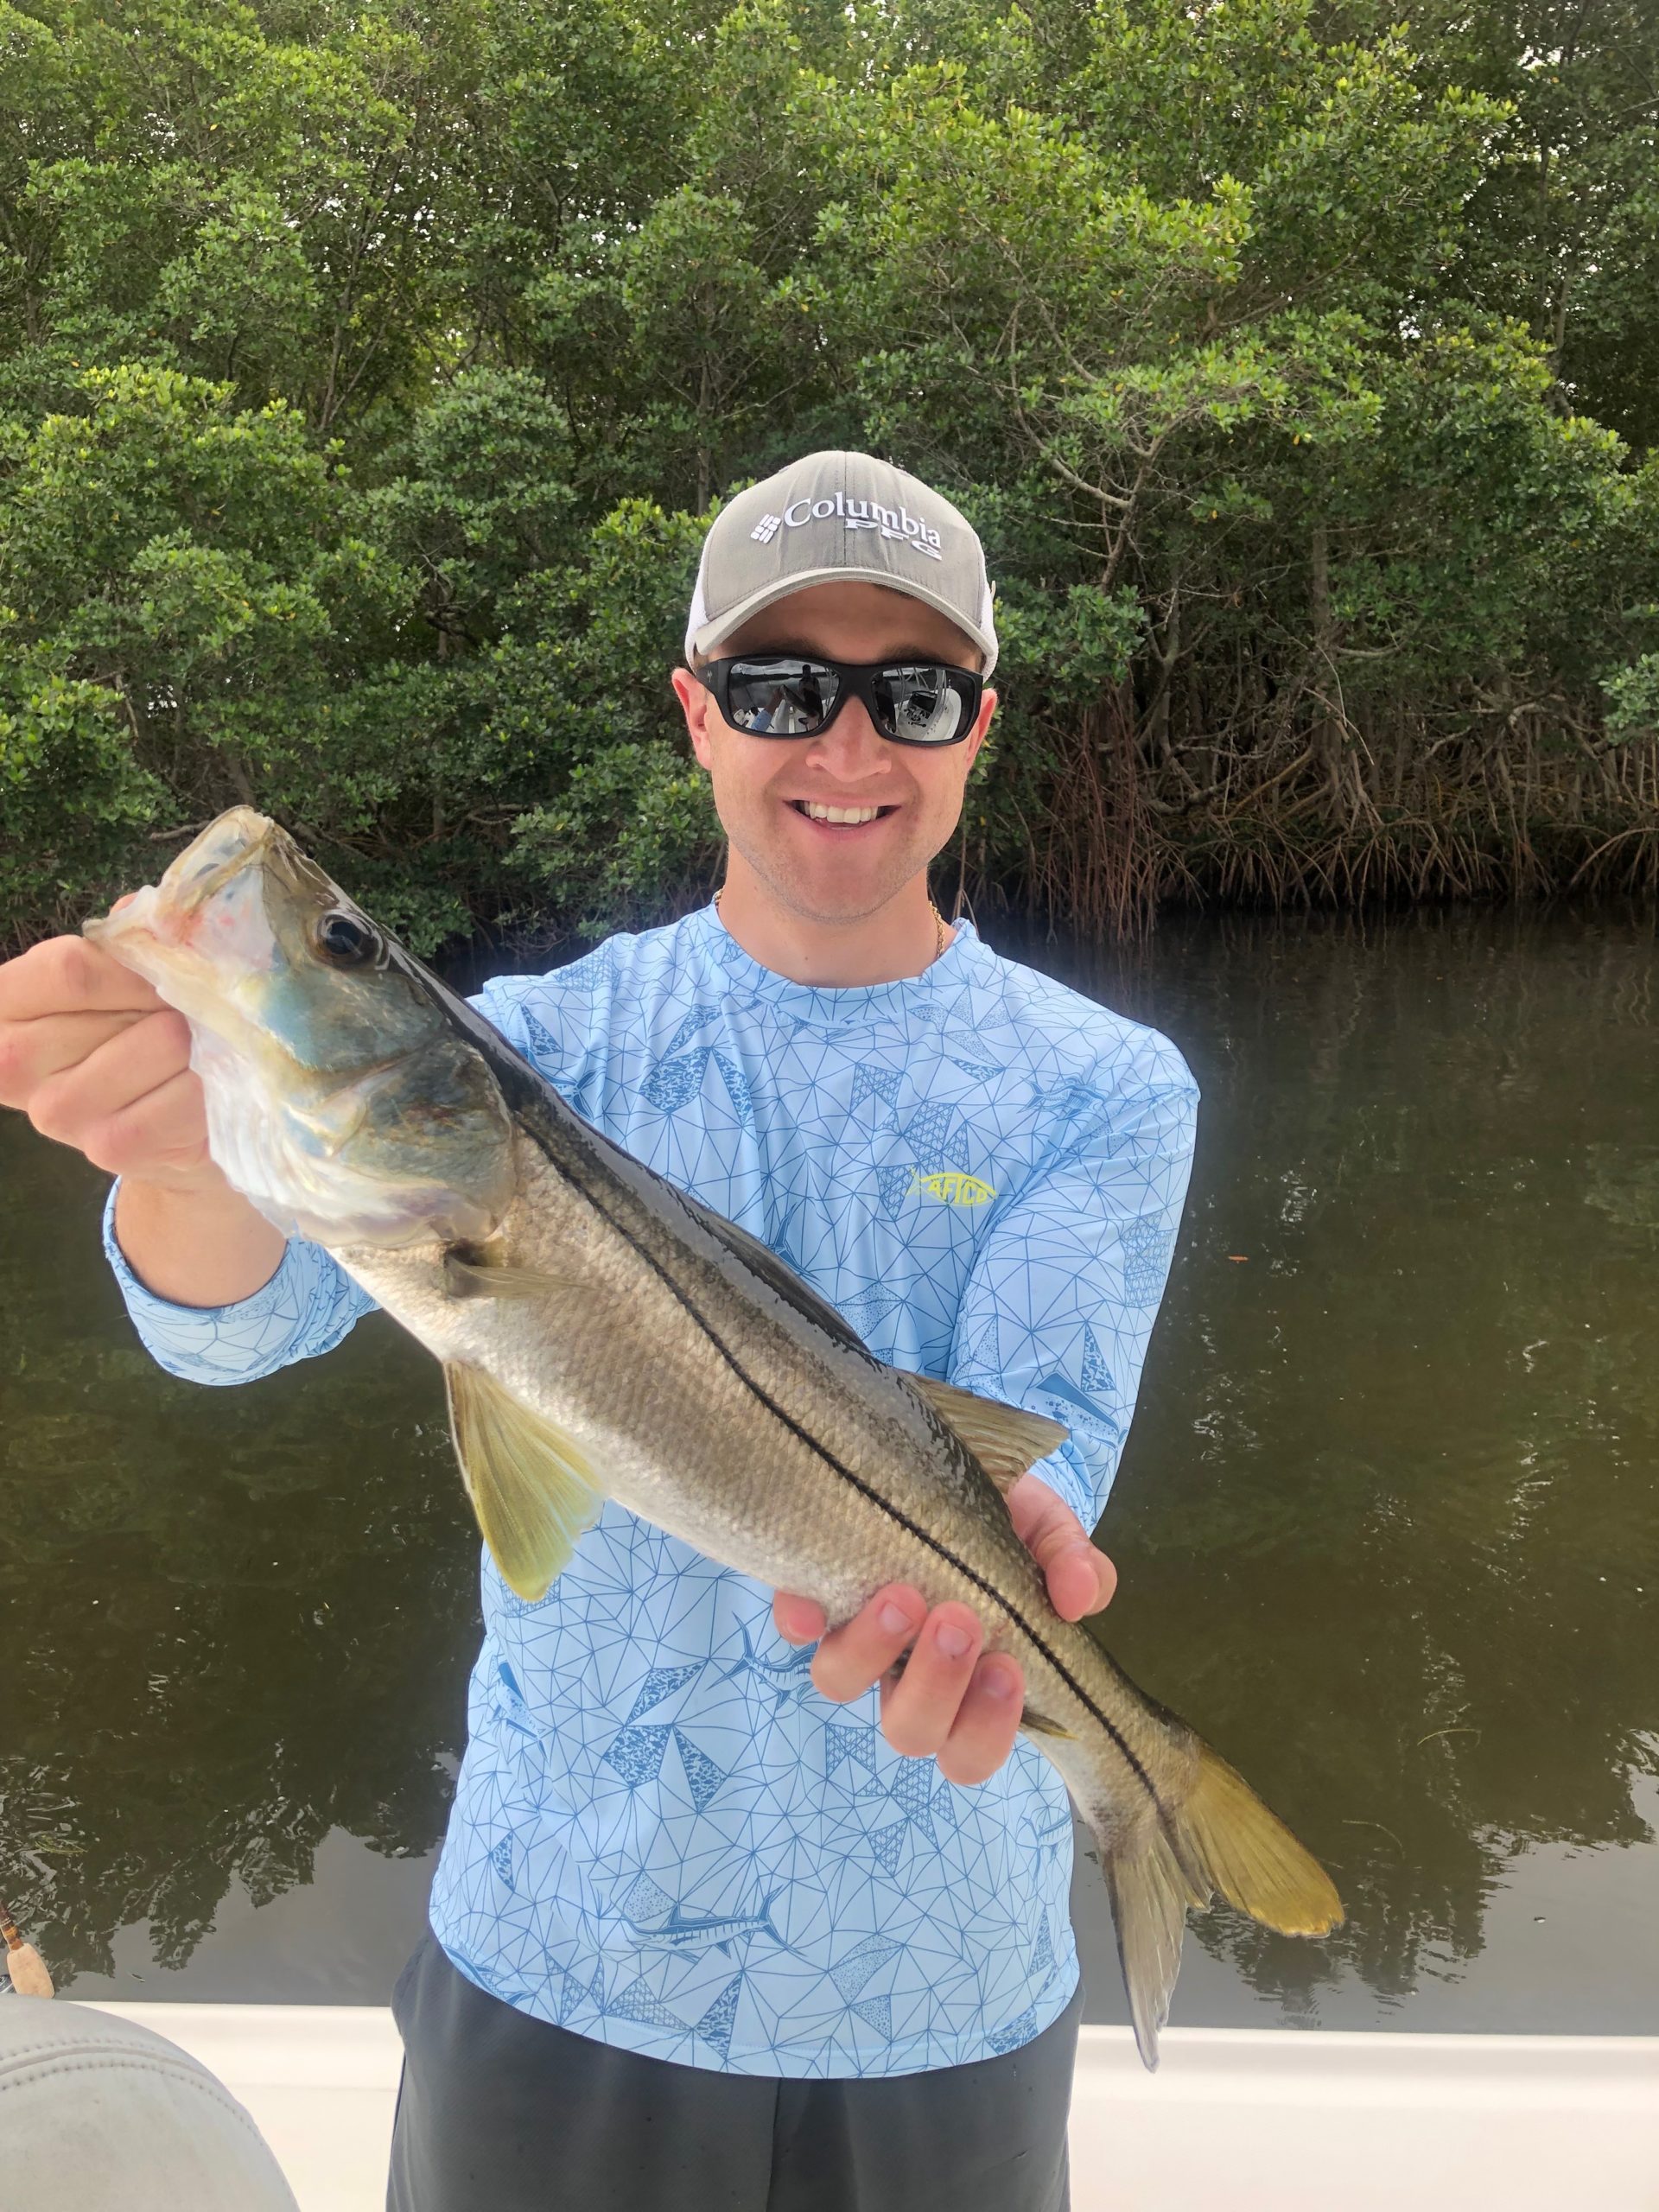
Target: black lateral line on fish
x=886, y=1505
x=547, y=1117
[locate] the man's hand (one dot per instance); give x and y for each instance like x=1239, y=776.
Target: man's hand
x=90, y=1053
x=949, y=1703
x=96, y=1060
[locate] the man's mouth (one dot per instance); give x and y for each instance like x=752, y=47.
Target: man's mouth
x=817, y=811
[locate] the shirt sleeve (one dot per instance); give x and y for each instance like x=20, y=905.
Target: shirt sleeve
x=1060, y=1303
x=306, y=1309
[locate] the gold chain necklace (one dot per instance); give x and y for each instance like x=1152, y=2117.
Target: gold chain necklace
x=939, y=943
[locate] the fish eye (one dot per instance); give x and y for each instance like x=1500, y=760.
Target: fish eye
x=345, y=939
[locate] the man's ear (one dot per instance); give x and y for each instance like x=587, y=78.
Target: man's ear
x=977, y=736
x=695, y=705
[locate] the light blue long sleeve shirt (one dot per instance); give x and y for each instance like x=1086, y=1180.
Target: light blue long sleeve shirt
x=662, y=1837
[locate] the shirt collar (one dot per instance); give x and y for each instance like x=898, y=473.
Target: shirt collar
x=848, y=1003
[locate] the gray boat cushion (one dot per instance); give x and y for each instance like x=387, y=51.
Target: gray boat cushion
x=102, y=2115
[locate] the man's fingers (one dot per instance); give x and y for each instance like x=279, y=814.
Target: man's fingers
x=982, y=1734
x=1080, y=1579
x=853, y=1657
x=161, y=1136
x=919, y=1710
x=80, y=1103
x=67, y=974
x=33, y=1052
x=797, y=1620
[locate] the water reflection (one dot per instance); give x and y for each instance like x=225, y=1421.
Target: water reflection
x=233, y=1619
x=1387, y=1522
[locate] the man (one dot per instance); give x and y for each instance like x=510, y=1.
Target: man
x=733, y=1912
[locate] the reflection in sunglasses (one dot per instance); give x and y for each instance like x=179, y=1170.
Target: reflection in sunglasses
x=910, y=702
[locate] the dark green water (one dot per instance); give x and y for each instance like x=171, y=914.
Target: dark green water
x=1387, y=1523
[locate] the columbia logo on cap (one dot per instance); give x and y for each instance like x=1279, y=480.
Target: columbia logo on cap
x=766, y=529
x=857, y=514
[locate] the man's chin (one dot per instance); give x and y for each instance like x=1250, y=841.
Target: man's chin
x=834, y=901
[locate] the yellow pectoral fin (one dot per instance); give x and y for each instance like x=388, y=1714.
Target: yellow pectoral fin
x=531, y=1489
x=1005, y=1440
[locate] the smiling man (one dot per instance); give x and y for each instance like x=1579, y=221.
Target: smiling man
x=733, y=1912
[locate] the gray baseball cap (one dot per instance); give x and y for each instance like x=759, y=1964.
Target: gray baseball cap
x=835, y=516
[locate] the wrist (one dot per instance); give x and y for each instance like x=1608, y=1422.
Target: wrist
x=202, y=1186
x=194, y=1241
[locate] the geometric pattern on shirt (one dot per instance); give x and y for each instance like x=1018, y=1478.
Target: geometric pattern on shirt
x=662, y=1836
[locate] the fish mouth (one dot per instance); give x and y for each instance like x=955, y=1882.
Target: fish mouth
x=166, y=913
x=208, y=922
x=235, y=841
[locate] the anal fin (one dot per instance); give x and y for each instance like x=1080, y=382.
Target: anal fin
x=531, y=1489
x=1039, y=1724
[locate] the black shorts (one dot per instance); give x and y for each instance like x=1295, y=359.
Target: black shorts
x=498, y=2112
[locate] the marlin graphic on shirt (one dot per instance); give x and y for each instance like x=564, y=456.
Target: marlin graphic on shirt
x=786, y=1678
x=698, y=1931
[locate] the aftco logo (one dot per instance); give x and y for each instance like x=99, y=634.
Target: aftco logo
x=766, y=529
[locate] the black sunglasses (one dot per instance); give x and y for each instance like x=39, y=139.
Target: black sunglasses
x=789, y=695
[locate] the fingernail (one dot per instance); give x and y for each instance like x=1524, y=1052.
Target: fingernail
x=894, y=1619
x=951, y=1640
x=999, y=1681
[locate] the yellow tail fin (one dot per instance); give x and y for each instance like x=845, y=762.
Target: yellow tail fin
x=1222, y=1838
x=1229, y=1839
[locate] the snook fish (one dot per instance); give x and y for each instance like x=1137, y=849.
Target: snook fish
x=602, y=1334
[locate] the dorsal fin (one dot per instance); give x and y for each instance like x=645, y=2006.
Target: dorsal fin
x=1005, y=1440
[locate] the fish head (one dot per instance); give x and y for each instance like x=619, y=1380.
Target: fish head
x=342, y=1098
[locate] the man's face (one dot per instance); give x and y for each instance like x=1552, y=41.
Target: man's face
x=763, y=787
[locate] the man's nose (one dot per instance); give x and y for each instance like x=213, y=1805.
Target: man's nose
x=852, y=748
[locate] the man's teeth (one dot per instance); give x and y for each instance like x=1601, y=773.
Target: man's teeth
x=815, y=812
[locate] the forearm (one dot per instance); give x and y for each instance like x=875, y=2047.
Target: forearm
x=201, y=1245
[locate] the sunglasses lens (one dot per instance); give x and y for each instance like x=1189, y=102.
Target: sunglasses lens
x=923, y=703
x=780, y=697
